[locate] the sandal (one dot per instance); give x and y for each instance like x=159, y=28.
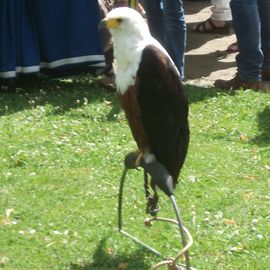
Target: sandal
x=233, y=48
x=224, y=30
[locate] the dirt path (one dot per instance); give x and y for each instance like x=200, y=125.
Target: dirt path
x=206, y=57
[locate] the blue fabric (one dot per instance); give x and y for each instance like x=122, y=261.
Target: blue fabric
x=36, y=34
x=167, y=24
x=251, y=19
x=18, y=41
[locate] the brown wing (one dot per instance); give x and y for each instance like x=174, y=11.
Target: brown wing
x=164, y=109
x=130, y=105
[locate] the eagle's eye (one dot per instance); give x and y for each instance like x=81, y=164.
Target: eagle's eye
x=119, y=20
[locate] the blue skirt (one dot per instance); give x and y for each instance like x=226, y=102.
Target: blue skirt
x=48, y=34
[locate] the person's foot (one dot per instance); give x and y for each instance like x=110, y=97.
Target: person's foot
x=214, y=27
x=237, y=83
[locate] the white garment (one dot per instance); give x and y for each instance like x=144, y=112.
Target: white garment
x=221, y=10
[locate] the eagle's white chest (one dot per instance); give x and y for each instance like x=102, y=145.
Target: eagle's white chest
x=127, y=62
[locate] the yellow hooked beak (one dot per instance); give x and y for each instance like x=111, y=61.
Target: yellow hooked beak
x=109, y=23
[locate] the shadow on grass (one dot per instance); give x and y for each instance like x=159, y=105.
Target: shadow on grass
x=198, y=93
x=264, y=127
x=103, y=260
x=63, y=94
x=67, y=93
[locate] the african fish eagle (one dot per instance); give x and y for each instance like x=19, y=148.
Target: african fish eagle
x=150, y=92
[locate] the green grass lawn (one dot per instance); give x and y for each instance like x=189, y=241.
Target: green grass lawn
x=62, y=145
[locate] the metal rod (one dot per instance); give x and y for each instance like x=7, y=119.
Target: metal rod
x=120, y=198
x=138, y=241
x=181, y=229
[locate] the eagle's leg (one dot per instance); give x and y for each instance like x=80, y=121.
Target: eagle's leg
x=152, y=201
x=146, y=186
x=151, y=207
x=139, y=154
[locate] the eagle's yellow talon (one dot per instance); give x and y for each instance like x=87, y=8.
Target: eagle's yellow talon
x=139, y=158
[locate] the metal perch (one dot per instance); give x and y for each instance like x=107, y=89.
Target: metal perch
x=165, y=183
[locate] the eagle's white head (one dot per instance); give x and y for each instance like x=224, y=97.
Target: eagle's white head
x=126, y=22
x=130, y=34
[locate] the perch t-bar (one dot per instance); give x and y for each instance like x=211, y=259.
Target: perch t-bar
x=164, y=181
